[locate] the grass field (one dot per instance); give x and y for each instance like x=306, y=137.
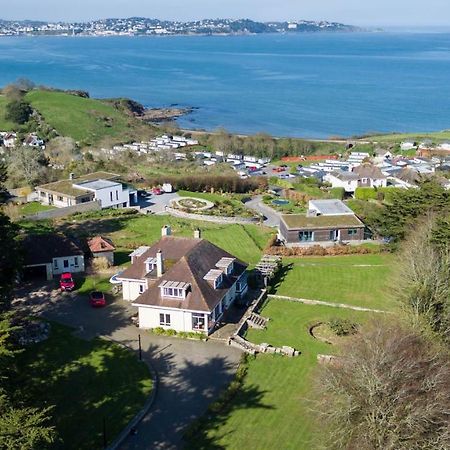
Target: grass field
x=273, y=408
x=86, y=120
x=436, y=136
x=87, y=381
x=5, y=125
x=359, y=280
x=34, y=207
x=128, y=232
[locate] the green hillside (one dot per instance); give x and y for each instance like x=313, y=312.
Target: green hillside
x=437, y=137
x=5, y=125
x=86, y=120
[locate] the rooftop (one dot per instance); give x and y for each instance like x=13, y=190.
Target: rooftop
x=330, y=207
x=300, y=221
x=68, y=187
x=96, y=184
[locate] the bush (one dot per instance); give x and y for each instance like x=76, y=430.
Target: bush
x=337, y=192
x=181, y=334
x=365, y=193
x=100, y=264
x=18, y=111
x=342, y=327
x=335, y=250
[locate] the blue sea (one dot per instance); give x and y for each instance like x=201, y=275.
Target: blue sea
x=304, y=85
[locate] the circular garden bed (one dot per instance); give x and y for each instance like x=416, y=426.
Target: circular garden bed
x=192, y=204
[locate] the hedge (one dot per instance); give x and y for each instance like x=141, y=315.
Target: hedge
x=365, y=193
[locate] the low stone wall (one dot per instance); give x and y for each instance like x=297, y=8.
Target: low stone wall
x=206, y=218
x=67, y=211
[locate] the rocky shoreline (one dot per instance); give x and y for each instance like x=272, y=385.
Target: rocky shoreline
x=158, y=115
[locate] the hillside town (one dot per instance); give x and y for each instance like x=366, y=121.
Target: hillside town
x=139, y=26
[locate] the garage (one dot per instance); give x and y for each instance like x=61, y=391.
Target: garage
x=37, y=272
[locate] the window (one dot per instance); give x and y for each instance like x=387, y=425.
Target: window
x=60, y=198
x=66, y=263
x=141, y=288
x=55, y=263
x=352, y=232
x=306, y=236
x=198, y=321
x=164, y=320
x=117, y=195
x=173, y=292
x=75, y=261
x=110, y=196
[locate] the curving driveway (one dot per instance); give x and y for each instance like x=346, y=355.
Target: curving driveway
x=191, y=373
x=272, y=217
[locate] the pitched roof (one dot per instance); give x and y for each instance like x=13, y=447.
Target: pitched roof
x=344, y=175
x=186, y=260
x=368, y=170
x=300, y=221
x=42, y=248
x=99, y=244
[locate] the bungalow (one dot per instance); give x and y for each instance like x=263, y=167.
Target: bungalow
x=342, y=179
x=326, y=222
x=185, y=284
x=101, y=186
x=9, y=140
x=46, y=255
x=370, y=176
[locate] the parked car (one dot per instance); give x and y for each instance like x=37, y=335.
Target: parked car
x=97, y=299
x=157, y=191
x=66, y=282
x=279, y=169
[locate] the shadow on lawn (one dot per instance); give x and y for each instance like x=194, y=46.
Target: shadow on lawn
x=280, y=277
x=89, y=383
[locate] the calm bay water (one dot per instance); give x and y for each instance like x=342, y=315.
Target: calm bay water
x=311, y=85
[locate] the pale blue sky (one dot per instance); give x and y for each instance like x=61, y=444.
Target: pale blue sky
x=357, y=12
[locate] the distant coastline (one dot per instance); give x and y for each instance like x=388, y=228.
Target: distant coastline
x=139, y=26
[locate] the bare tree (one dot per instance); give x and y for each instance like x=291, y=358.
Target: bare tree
x=389, y=391
x=26, y=164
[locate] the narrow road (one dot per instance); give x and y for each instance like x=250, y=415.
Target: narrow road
x=272, y=217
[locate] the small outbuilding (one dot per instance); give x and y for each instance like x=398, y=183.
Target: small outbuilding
x=101, y=247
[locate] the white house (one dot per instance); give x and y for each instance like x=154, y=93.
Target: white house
x=370, y=176
x=101, y=186
x=46, y=255
x=408, y=145
x=342, y=179
x=185, y=284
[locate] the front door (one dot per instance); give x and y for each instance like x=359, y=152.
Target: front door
x=334, y=235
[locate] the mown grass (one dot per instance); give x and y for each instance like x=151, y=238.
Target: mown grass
x=278, y=415
x=83, y=119
x=360, y=280
x=33, y=208
x=87, y=382
x=436, y=136
x=130, y=231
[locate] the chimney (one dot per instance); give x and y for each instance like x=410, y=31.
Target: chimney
x=159, y=264
x=166, y=231
x=197, y=233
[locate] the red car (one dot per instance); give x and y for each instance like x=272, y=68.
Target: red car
x=279, y=169
x=97, y=299
x=66, y=282
x=156, y=191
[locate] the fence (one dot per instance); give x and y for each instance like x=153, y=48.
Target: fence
x=67, y=211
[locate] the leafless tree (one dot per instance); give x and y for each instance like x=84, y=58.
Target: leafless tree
x=389, y=390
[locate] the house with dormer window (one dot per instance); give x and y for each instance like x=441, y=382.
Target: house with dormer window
x=185, y=284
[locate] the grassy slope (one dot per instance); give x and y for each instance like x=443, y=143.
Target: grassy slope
x=86, y=381
x=244, y=241
x=356, y=280
x=437, y=136
x=84, y=119
x=5, y=125
x=281, y=417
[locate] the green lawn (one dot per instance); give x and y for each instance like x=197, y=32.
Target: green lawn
x=33, y=208
x=360, y=280
x=128, y=232
x=436, y=136
x=273, y=409
x=84, y=119
x=87, y=381
x=5, y=125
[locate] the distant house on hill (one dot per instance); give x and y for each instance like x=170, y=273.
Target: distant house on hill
x=370, y=176
x=104, y=187
x=185, y=284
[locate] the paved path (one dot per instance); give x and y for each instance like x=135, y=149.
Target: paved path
x=272, y=217
x=320, y=302
x=191, y=373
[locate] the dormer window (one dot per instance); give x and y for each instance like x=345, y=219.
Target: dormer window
x=226, y=264
x=215, y=276
x=150, y=265
x=175, y=289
